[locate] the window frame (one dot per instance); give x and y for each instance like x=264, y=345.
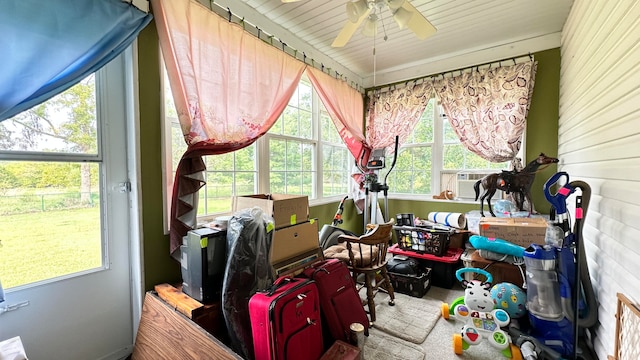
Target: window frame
x=437, y=159
x=262, y=156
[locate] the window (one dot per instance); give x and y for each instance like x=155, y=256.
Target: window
x=291, y=147
x=52, y=165
x=301, y=154
x=457, y=157
x=431, y=157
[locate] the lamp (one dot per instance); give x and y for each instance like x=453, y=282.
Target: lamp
x=355, y=9
x=370, y=26
x=402, y=17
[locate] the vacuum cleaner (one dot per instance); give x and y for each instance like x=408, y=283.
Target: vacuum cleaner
x=560, y=297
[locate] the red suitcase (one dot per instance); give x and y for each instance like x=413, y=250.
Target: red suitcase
x=285, y=321
x=340, y=303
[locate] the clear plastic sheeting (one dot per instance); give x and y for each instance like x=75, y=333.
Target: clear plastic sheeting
x=248, y=271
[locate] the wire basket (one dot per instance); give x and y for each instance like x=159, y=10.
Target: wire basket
x=423, y=240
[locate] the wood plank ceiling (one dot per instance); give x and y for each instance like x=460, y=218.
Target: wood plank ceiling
x=463, y=26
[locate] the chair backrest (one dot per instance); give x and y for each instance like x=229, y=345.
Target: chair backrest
x=369, y=251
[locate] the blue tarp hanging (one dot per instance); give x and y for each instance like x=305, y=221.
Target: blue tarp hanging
x=48, y=46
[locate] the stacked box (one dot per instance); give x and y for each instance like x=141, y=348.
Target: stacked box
x=294, y=234
x=286, y=210
x=520, y=231
x=412, y=285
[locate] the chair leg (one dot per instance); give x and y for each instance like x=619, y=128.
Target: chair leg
x=369, y=279
x=389, y=286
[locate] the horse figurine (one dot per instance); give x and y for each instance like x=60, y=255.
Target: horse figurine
x=518, y=182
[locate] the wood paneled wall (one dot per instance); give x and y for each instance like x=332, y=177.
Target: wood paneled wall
x=599, y=142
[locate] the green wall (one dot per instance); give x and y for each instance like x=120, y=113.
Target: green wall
x=159, y=267
x=542, y=121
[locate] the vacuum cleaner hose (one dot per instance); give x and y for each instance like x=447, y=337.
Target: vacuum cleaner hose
x=591, y=318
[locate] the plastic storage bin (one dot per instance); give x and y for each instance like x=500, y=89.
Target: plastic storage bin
x=423, y=240
x=412, y=285
x=443, y=268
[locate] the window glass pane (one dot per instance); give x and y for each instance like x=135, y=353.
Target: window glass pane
x=178, y=146
x=423, y=132
x=64, y=124
x=294, y=98
x=291, y=121
x=227, y=175
x=277, y=182
x=328, y=129
x=457, y=157
x=245, y=183
x=412, y=174
x=449, y=134
x=453, y=156
x=222, y=162
x=293, y=182
x=413, y=171
x=304, y=94
x=335, y=165
x=306, y=130
x=50, y=210
x=277, y=155
x=51, y=224
x=245, y=159
x=294, y=155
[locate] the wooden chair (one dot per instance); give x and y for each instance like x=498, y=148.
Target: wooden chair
x=367, y=254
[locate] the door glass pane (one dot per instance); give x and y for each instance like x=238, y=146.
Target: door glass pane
x=64, y=124
x=50, y=227
x=50, y=223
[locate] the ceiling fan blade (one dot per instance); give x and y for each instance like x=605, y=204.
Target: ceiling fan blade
x=289, y=1
x=348, y=30
x=418, y=23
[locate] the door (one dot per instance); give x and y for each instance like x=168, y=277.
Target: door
x=64, y=222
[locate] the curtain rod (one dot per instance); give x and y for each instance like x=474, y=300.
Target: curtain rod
x=226, y=13
x=461, y=70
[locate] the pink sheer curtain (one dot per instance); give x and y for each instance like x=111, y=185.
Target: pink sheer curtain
x=395, y=113
x=488, y=109
x=229, y=88
x=345, y=106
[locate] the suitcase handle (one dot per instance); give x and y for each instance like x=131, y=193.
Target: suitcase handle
x=317, y=267
x=280, y=282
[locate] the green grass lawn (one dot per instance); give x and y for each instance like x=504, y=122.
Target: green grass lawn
x=43, y=245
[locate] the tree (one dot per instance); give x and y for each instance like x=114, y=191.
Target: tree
x=66, y=123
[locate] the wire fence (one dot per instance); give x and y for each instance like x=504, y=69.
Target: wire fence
x=21, y=204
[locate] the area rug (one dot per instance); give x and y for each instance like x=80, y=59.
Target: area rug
x=381, y=346
x=410, y=318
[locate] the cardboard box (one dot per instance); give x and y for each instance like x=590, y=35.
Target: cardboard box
x=500, y=271
x=286, y=210
x=520, y=231
x=288, y=242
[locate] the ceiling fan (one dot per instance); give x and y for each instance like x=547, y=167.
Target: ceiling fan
x=369, y=12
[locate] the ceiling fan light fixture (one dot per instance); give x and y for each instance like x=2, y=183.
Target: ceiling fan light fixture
x=402, y=17
x=355, y=9
x=370, y=26
x=394, y=4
